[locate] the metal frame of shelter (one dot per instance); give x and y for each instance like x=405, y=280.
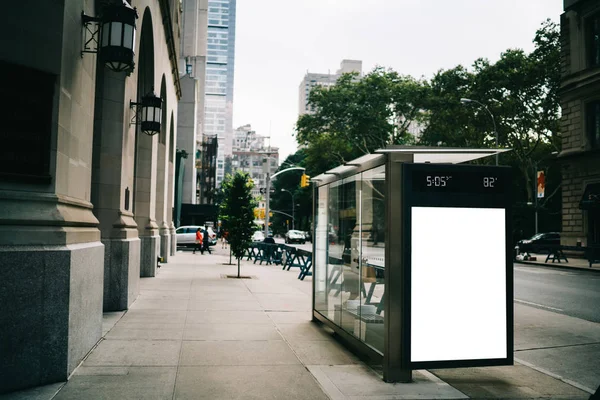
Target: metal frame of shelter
x=395, y=357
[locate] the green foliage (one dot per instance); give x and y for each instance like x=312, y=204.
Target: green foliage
x=358, y=116
x=237, y=212
x=521, y=90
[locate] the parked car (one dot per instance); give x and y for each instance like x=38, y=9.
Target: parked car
x=258, y=236
x=186, y=235
x=294, y=236
x=539, y=243
x=308, y=236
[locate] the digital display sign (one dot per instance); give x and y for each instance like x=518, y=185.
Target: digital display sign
x=475, y=181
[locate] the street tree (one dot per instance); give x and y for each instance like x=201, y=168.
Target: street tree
x=358, y=115
x=237, y=213
x=521, y=91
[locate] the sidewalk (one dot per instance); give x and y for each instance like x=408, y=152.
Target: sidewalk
x=573, y=263
x=195, y=334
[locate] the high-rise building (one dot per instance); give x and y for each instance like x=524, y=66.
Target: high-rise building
x=252, y=155
x=320, y=79
x=220, y=57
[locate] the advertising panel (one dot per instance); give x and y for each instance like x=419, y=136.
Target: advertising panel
x=459, y=301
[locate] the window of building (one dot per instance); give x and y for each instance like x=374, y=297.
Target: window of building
x=593, y=124
x=593, y=40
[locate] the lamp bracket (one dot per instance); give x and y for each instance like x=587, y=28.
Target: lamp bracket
x=91, y=30
x=134, y=106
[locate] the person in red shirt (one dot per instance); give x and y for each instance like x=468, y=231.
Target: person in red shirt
x=198, y=242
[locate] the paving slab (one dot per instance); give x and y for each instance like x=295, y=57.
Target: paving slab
x=160, y=304
x=284, y=302
x=361, y=382
x=225, y=305
x=154, y=316
x=290, y=382
x=271, y=352
x=145, y=332
x=135, y=353
x=137, y=383
x=164, y=294
x=304, y=331
x=231, y=332
x=508, y=382
x=228, y=317
x=321, y=352
x=566, y=362
x=290, y=317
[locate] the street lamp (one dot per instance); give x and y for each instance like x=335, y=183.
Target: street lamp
x=468, y=101
x=293, y=202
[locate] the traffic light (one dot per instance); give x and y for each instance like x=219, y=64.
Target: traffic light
x=304, y=180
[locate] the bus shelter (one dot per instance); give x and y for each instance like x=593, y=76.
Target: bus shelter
x=412, y=258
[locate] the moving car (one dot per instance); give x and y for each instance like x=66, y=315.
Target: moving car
x=294, y=236
x=539, y=243
x=186, y=235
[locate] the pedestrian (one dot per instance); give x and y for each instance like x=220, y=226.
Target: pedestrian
x=224, y=240
x=205, y=241
x=198, y=242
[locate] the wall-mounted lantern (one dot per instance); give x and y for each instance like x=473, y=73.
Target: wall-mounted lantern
x=148, y=113
x=112, y=36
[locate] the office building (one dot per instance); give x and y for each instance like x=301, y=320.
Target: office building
x=312, y=79
x=220, y=58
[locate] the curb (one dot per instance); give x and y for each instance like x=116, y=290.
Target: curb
x=554, y=265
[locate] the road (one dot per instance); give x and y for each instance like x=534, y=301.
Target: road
x=575, y=293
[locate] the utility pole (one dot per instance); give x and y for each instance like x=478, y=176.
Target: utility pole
x=267, y=198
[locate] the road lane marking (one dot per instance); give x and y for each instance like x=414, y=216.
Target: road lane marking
x=537, y=305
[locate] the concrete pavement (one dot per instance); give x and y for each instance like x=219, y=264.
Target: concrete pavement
x=193, y=333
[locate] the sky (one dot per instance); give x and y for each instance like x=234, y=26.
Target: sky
x=278, y=41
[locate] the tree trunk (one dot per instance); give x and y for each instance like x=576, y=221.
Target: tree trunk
x=229, y=254
x=238, y=267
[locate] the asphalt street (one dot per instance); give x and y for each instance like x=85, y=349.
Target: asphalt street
x=575, y=293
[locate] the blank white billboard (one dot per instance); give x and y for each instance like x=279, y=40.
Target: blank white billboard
x=458, y=284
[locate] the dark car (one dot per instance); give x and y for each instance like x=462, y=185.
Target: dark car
x=294, y=236
x=539, y=243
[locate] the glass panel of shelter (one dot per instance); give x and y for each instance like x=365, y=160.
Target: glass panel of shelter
x=321, y=245
x=372, y=256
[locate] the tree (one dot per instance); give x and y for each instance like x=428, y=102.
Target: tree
x=521, y=91
x=356, y=116
x=237, y=213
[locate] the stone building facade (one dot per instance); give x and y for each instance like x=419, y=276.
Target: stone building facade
x=85, y=196
x=580, y=123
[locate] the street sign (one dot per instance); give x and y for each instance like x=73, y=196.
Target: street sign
x=541, y=184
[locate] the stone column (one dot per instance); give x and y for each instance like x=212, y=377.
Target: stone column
x=111, y=191
x=145, y=203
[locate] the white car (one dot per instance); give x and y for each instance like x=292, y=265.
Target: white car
x=258, y=236
x=186, y=235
